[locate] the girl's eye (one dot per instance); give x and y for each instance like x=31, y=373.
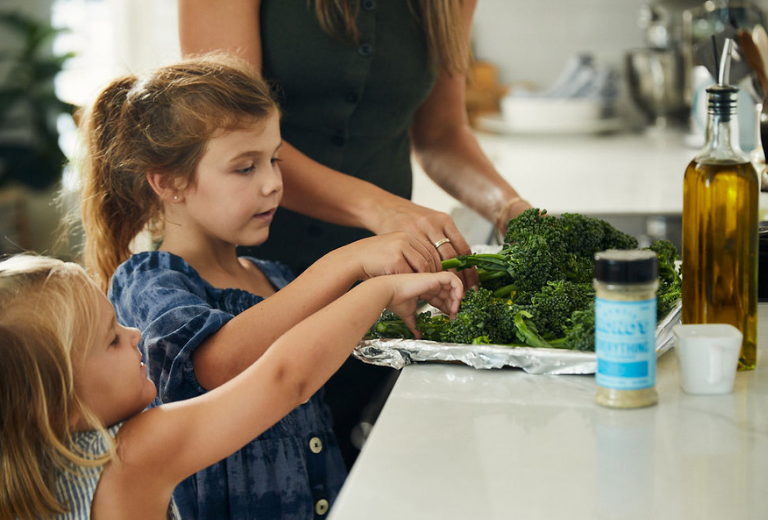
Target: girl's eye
x=115, y=341
x=247, y=169
x=275, y=160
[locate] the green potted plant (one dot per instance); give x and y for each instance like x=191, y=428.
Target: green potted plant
x=29, y=107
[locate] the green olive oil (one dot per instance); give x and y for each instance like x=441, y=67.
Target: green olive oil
x=720, y=239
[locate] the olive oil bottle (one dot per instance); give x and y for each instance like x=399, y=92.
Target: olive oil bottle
x=720, y=238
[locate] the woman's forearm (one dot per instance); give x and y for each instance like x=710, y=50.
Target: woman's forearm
x=317, y=191
x=458, y=165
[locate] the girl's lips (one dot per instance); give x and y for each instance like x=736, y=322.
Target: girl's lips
x=267, y=215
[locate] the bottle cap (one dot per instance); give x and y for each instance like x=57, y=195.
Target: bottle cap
x=722, y=100
x=626, y=266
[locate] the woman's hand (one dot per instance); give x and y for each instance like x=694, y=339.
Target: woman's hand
x=513, y=208
x=443, y=290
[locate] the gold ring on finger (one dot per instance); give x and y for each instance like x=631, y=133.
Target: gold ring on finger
x=441, y=242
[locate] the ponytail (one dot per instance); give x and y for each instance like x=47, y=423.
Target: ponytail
x=117, y=202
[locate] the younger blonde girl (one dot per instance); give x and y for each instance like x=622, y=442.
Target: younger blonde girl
x=75, y=439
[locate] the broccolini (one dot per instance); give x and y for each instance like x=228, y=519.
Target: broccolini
x=537, y=291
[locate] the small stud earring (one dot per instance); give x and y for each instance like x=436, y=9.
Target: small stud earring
x=175, y=197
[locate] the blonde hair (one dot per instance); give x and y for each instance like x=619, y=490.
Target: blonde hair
x=441, y=21
x=160, y=123
x=47, y=316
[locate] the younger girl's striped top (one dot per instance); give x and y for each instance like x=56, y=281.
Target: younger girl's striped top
x=76, y=490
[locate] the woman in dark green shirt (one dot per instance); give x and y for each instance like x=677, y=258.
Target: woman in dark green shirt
x=362, y=85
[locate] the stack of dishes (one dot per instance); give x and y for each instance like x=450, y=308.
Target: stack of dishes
x=581, y=101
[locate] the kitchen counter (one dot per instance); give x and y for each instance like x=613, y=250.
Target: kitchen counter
x=613, y=173
x=454, y=442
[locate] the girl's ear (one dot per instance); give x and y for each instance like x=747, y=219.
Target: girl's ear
x=165, y=187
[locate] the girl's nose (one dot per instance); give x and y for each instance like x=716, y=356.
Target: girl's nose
x=135, y=335
x=274, y=183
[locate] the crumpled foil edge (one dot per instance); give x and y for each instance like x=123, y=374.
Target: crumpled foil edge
x=396, y=353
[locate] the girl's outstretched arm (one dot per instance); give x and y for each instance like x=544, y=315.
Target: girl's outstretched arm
x=248, y=335
x=164, y=445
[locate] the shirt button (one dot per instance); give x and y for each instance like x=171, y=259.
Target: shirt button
x=321, y=506
x=351, y=97
x=315, y=445
x=365, y=50
x=338, y=140
x=369, y=5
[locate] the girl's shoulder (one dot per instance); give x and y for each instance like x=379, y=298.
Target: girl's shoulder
x=278, y=273
x=163, y=278
x=93, y=442
x=156, y=264
x=77, y=489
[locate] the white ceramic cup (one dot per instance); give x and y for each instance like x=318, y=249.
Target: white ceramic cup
x=709, y=356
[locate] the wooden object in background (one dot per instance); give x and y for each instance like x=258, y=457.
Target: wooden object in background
x=483, y=90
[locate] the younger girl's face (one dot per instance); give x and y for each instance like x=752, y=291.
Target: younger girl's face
x=111, y=379
x=238, y=185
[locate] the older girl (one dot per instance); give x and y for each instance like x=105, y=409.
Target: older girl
x=191, y=151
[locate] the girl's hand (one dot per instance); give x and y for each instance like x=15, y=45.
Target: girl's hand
x=431, y=228
x=443, y=290
x=392, y=253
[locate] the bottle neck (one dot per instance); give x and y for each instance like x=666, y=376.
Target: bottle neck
x=723, y=135
x=722, y=127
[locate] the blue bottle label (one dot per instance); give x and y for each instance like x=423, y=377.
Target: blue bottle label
x=625, y=344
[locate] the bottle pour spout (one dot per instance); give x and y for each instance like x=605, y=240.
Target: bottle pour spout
x=724, y=72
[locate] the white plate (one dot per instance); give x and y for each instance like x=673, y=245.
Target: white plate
x=497, y=124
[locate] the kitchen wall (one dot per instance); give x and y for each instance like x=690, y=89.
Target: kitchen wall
x=533, y=40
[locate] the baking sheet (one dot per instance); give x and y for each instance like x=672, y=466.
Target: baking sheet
x=397, y=353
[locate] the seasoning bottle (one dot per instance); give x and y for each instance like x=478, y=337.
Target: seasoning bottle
x=625, y=327
x=720, y=226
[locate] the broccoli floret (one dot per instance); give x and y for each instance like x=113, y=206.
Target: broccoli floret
x=580, y=330
x=583, y=235
x=667, y=253
x=432, y=327
x=579, y=269
x=534, y=222
x=534, y=261
x=481, y=314
x=615, y=239
x=555, y=303
x=389, y=325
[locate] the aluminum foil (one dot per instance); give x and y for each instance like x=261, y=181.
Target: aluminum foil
x=397, y=353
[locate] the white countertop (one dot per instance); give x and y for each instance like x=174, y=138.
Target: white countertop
x=614, y=173
x=454, y=442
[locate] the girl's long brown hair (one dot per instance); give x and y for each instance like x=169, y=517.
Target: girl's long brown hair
x=160, y=123
x=441, y=20
x=46, y=326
